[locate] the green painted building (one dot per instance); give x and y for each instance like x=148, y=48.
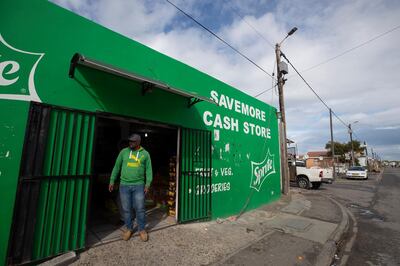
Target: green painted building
x=71, y=92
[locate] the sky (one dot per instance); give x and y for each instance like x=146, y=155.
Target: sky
x=361, y=84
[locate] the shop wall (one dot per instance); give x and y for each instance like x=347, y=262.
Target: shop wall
x=54, y=35
x=236, y=156
x=12, y=133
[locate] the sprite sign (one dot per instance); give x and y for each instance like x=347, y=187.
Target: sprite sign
x=261, y=170
x=17, y=73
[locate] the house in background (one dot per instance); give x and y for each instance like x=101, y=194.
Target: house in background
x=318, y=159
x=363, y=160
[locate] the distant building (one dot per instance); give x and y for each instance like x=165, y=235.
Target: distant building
x=363, y=160
x=318, y=159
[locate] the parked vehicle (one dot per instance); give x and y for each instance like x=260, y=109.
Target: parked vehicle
x=307, y=177
x=358, y=172
x=327, y=174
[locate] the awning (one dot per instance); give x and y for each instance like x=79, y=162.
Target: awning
x=147, y=83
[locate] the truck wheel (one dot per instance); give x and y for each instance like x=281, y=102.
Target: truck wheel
x=303, y=182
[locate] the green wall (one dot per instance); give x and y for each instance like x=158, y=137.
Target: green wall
x=52, y=35
x=12, y=132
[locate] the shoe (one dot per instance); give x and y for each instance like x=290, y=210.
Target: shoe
x=127, y=235
x=143, y=236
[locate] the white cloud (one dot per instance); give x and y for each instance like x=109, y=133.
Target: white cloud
x=389, y=127
x=361, y=85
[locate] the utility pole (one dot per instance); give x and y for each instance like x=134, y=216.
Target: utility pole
x=284, y=161
x=352, y=148
x=366, y=149
x=366, y=154
x=332, y=143
x=281, y=72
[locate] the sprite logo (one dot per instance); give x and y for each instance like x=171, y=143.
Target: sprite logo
x=260, y=171
x=17, y=73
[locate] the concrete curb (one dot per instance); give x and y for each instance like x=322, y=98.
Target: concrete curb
x=349, y=245
x=328, y=252
x=62, y=260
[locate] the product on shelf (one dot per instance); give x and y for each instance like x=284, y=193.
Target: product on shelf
x=172, y=187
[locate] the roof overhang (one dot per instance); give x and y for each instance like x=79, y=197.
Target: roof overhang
x=147, y=83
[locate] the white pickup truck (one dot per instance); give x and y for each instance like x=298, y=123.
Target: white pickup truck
x=308, y=177
x=327, y=174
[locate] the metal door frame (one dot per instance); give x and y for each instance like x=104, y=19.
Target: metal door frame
x=23, y=240
x=186, y=171
x=178, y=172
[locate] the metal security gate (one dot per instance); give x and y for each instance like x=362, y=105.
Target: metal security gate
x=195, y=175
x=52, y=199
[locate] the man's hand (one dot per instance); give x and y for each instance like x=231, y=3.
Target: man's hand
x=110, y=187
x=146, y=189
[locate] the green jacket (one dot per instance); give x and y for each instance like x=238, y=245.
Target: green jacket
x=135, y=167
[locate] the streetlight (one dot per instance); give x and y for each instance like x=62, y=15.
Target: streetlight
x=282, y=69
x=351, y=141
x=288, y=34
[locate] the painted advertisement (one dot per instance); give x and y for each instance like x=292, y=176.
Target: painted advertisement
x=34, y=64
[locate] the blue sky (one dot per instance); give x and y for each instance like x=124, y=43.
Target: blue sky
x=362, y=85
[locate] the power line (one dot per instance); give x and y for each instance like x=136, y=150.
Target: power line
x=346, y=125
x=263, y=70
x=219, y=38
x=352, y=49
x=251, y=26
x=316, y=94
x=356, y=135
x=272, y=85
x=262, y=37
x=339, y=55
x=333, y=58
x=264, y=91
x=309, y=86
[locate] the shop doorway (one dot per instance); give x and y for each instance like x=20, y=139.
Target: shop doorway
x=63, y=202
x=161, y=141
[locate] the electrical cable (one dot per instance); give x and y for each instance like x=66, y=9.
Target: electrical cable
x=259, y=67
x=309, y=86
x=251, y=26
x=262, y=37
x=219, y=38
x=316, y=94
x=338, y=118
x=259, y=94
x=230, y=46
x=272, y=85
x=272, y=76
x=355, y=135
x=352, y=49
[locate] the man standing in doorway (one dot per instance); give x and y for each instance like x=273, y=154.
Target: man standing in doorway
x=134, y=164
